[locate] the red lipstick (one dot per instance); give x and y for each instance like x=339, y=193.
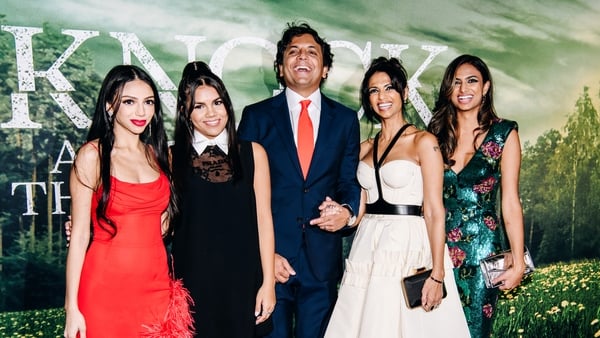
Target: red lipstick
x=139, y=123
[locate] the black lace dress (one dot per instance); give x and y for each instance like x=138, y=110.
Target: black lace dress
x=215, y=248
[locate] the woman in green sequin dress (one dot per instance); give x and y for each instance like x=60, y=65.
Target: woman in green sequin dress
x=482, y=154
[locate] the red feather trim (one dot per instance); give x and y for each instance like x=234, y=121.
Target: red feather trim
x=178, y=321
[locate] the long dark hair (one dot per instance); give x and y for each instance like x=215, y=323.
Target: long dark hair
x=293, y=30
x=444, y=122
x=394, y=69
x=154, y=136
x=197, y=74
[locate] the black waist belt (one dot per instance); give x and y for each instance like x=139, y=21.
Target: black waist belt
x=384, y=208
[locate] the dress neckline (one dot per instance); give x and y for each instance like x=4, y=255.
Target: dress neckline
x=391, y=161
x=477, y=151
x=137, y=183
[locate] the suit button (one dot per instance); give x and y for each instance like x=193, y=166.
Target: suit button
x=299, y=219
x=305, y=190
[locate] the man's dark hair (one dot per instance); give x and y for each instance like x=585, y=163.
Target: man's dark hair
x=293, y=30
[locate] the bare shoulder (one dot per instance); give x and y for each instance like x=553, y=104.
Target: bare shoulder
x=425, y=138
x=88, y=154
x=365, y=147
x=513, y=136
x=86, y=168
x=426, y=141
x=258, y=151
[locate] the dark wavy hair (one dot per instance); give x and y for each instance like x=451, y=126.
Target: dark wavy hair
x=197, y=74
x=154, y=136
x=444, y=122
x=293, y=30
x=394, y=69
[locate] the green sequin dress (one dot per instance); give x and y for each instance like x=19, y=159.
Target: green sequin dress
x=473, y=226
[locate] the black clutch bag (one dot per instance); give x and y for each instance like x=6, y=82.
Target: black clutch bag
x=494, y=266
x=412, y=286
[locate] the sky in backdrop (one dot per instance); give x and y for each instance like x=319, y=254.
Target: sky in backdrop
x=542, y=53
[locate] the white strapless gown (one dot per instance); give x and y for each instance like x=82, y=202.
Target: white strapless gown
x=385, y=249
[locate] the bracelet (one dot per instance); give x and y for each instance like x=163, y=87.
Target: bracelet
x=436, y=280
x=352, y=218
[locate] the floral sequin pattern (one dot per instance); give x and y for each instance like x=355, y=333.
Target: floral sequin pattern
x=488, y=310
x=492, y=150
x=485, y=186
x=490, y=222
x=457, y=255
x=473, y=227
x=454, y=235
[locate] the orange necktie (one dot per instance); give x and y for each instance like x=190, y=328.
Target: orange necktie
x=306, y=143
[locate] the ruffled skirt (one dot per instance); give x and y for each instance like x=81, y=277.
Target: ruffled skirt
x=371, y=302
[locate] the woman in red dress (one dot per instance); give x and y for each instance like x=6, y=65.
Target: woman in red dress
x=118, y=282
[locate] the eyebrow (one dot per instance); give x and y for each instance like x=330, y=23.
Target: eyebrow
x=382, y=85
x=313, y=46
x=135, y=97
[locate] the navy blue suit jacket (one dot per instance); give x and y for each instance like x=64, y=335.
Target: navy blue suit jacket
x=332, y=172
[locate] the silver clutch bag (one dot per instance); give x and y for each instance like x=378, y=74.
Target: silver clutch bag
x=494, y=266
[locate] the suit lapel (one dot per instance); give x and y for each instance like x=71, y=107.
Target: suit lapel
x=281, y=118
x=325, y=135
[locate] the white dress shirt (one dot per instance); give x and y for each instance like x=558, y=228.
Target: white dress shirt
x=314, y=110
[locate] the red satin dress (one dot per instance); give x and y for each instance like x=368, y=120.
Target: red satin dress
x=125, y=288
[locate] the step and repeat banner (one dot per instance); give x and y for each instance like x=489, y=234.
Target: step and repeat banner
x=544, y=58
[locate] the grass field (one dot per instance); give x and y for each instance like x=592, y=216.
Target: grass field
x=35, y=323
x=560, y=300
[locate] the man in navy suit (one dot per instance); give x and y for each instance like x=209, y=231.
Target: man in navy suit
x=308, y=244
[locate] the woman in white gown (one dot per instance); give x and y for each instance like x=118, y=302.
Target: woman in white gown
x=401, y=225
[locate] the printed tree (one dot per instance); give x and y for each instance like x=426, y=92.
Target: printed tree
x=578, y=162
x=560, y=184
x=33, y=247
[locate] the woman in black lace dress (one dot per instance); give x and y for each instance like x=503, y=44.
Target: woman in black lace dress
x=223, y=244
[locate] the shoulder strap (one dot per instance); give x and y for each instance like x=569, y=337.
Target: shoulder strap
x=377, y=164
x=93, y=144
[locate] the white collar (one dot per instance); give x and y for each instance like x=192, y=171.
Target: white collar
x=200, y=141
x=294, y=99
